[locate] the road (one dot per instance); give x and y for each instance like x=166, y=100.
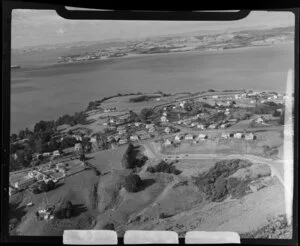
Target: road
x=277, y=166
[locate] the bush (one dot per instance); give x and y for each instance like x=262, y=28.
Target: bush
x=163, y=167
x=133, y=183
x=215, y=185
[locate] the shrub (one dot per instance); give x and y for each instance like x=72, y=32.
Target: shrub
x=109, y=226
x=133, y=183
x=163, y=167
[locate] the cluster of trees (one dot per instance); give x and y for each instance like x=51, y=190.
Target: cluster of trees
x=65, y=210
x=133, y=183
x=140, y=98
x=43, y=187
x=163, y=167
x=146, y=114
x=77, y=118
x=265, y=108
x=215, y=183
x=133, y=158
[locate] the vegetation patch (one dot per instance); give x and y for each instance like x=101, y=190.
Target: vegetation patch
x=164, y=167
x=275, y=228
x=215, y=183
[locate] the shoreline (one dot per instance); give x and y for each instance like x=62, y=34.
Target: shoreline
x=204, y=51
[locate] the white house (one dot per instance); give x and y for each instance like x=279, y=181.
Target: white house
x=93, y=140
x=149, y=126
x=137, y=123
x=223, y=126
x=212, y=126
x=189, y=137
x=167, y=130
x=215, y=97
x=178, y=138
x=134, y=138
x=181, y=104
x=201, y=136
x=167, y=142
x=165, y=114
x=123, y=141
x=249, y=136
x=46, y=154
x=225, y=135
x=259, y=120
x=164, y=119
x=77, y=147
x=122, y=131
x=151, y=129
x=56, y=153
x=238, y=135
x=201, y=126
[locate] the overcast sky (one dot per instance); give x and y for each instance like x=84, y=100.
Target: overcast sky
x=38, y=27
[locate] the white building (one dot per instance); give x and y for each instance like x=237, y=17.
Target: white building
x=137, y=123
x=202, y=136
x=215, y=97
x=225, y=135
x=249, y=136
x=238, y=135
x=212, y=126
x=189, y=137
x=56, y=153
x=259, y=120
x=78, y=147
x=165, y=114
x=123, y=141
x=178, y=138
x=149, y=126
x=167, y=130
x=167, y=142
x=134, y=138
x=151, y=130
x=201, y=126
x=164, y=119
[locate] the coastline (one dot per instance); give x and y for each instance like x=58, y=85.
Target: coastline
x=204, y=51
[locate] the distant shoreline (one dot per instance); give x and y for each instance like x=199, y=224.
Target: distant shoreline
x=132, y=55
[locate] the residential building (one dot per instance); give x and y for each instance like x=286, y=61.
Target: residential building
x=164, y=119
x=145, y=136
x=202, y=136
x=215, y=97
x=46, y=154
x=123, y=141
x=24, y=183
x=151, y=130
x=165, y=113
x=78, y=147
x=212, y=126
x=178, y=138
x=122, y=131
x=137, y=123
x=250, y=136
x=56, y=153
x=238, y=135
x=134, y=138
x=167, y=142
x=225, y=135
x=201, y=126
x=232, y=121
x=223, y=126
x=259, y=120
x=189, y=137
x=149, y=126
x=141, y=132
x=120, y=128
x=167, y=130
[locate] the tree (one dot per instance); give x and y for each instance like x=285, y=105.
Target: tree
x=50, y=185
x=128, y=160
x=13, y=138
x=146, y=113
x=133, y=183
x=276, y=113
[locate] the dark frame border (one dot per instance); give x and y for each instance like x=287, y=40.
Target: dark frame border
x=124, y=14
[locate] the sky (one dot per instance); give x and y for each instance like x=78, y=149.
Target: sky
x=42, y=27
